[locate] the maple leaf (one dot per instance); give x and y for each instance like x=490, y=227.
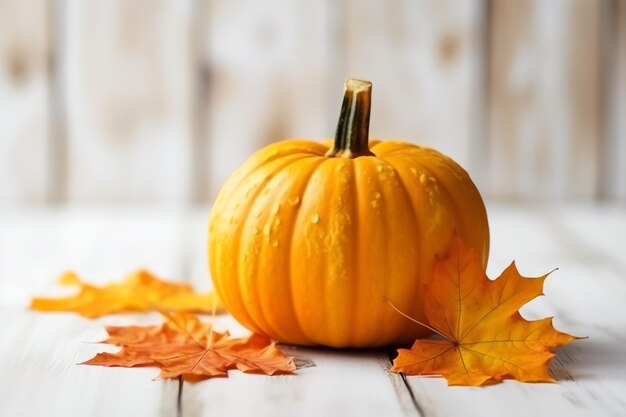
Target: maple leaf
x=185, y=346
x=485, y=339
x=139, y=291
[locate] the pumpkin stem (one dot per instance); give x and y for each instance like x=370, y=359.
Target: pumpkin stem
x=351, y=139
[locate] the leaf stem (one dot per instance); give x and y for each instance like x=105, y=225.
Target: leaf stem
x=419, y=322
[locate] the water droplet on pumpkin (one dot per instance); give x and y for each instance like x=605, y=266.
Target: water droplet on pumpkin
x=274, y=243
x=341, y=166
x=266, y=230
x=414, y=171
x=375, y=200
x=379, y=168
x=294, y=200
x=423, y=179
x=315, y=218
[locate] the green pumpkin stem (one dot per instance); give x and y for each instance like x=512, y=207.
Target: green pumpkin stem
x=351, y=139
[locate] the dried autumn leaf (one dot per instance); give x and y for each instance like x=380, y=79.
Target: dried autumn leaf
x=139, y=291
x=485, y=339
x=185, y=346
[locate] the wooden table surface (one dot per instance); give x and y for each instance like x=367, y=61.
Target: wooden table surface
x=39, y=352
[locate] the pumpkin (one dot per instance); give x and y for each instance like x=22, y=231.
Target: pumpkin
x=314, y=244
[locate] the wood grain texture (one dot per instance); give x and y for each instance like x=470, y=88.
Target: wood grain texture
x=157, y=102
x=424, y=59
x=25, y=54
x=101, y=243
x=268, y=67
x=545, y=120
x=584, y=295
x=614, y=149
x=39, y=356
x=38, y=351
x=127, y=75
x=339, y=384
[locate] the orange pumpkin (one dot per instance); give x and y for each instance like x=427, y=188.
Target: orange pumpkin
x=311, y=245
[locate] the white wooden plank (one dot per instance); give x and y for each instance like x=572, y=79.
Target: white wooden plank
x=545, y=120
x=39, y=356
x=586, y=299
x=127, y=79
x=100, y=244
x=424, y=59
x=614, y=169
x=39, y=352
x=341, y=383
x=25, y=49
x=154, y=238
x=268, y=67
x=196, y=251
x=593, y=234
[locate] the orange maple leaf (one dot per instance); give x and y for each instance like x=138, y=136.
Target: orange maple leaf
x=185, y=346
x=485, y=339
x=139, y=291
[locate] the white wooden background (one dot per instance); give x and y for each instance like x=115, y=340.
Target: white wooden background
x=39, y=351
x=156, y=101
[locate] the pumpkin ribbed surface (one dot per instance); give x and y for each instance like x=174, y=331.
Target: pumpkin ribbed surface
x=311, y=249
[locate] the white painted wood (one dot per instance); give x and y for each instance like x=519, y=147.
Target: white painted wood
x=25, y=50
x=157, y=102
x=102, y=245
x=545, y=120
x=127, y=78
x=196, y=255
x=595, y=234
x=269, y=66
x=424, y=59
x=615, y=88
x=341, y=383
x=586, y=298
x=39, y=354
x=38, y=351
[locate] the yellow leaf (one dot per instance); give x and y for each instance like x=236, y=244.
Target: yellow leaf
x=139, y=291
x=484, y=337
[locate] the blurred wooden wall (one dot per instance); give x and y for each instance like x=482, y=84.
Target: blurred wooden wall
x=156, y=102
